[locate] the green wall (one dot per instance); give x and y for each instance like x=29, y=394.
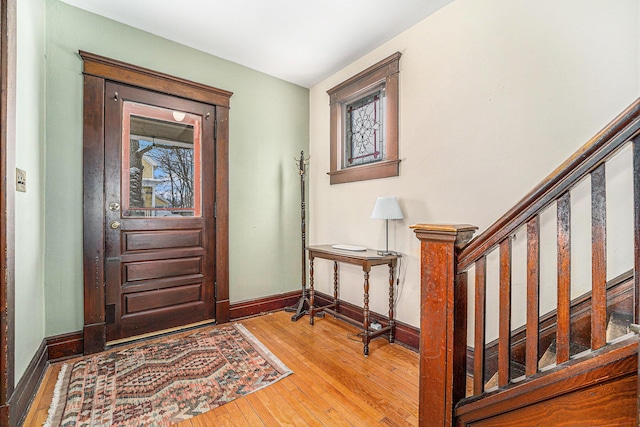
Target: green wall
x=30, y=216
x=269, y=125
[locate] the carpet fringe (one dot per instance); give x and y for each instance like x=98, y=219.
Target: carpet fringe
x=264, y=351
x=241, y=338
x=57, y=396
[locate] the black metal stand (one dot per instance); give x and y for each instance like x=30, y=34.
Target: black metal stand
x=302, y=307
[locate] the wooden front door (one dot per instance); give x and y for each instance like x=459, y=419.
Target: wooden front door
x=155, y=202
x=159, y=211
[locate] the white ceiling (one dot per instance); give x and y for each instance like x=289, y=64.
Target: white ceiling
x=300, y=41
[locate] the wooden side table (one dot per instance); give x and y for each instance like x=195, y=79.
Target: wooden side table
x=365, y=259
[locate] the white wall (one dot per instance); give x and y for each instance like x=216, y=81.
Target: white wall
x=493, y=96
x=29, y=225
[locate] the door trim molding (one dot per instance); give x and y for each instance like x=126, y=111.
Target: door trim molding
x=97, y=71
x=8, y=52
x=121, y=72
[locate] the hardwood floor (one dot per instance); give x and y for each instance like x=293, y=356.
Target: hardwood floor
x=333, y=383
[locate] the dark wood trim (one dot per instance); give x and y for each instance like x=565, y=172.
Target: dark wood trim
x=71, y=344
x=563, y=312
x=607, y=364
x=64, y=346
x=249, y=308
x=441, y=374
x=504, y=341
x=122, y=72
x=28, y=385
x=477, y=368
x=599, y=257
x=98, y=71
x=51, y=349
x=384, y=72
x=407, y=335
x=533, y=295
x=596, y=150
x=636, y=229
x=366, y=78
x=383, y=169
x=8, y=51
x=93, y=205
x=222, y=215
x=619, y=291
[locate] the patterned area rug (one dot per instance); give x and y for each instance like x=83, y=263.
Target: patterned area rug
x=165, y=381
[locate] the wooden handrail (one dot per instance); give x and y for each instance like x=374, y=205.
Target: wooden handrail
x=446, y=259
x=596, y=150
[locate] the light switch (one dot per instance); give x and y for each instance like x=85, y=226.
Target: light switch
x=21, y=180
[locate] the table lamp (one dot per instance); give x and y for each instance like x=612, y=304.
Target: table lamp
x=386, y=208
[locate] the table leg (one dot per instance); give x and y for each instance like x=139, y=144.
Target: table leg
x=311, y=291
x=365, y=336
x=392, y=321
x=335, y=285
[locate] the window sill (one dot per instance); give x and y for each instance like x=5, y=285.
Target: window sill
x=383, y=169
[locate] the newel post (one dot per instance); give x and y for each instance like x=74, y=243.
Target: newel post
x=443, y=324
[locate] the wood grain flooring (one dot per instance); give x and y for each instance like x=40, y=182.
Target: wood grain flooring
x=333, y=383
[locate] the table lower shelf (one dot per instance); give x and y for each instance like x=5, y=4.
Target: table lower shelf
x=367, y=335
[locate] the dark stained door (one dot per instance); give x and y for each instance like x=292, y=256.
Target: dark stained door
x=159, y=211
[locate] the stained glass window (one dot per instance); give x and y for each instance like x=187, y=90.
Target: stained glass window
x=364, y=133
x=364, y=124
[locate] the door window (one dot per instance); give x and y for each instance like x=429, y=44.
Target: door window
x=161, y=168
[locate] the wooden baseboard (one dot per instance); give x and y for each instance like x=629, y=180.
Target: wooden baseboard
x=69, y=345
x=50, y=350
x=248, y=308
x=64, y=346
x=406, y=335
x=4, y=415
x=27, y=386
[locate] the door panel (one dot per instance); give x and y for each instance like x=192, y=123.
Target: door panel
x=143, y=301
x=159, y=223
x=159, y=269
x=136, y=241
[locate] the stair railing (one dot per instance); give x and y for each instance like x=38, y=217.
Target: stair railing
x=447, y=256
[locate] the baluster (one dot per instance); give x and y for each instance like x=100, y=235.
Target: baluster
x=479, y=331
x=460, y=336
x=533, y=294
x=636, y=225
x=504, y=340
x=563, y=318
x=599, y=258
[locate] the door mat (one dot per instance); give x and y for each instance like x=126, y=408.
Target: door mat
x=165, y=381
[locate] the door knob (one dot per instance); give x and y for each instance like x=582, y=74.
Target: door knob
x=115, y=206
x=114, y=225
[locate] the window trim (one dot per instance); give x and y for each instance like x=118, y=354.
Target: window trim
x=385, y=72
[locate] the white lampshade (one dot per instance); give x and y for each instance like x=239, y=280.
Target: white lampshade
x=387, y=208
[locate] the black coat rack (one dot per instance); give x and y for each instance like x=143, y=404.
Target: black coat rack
x=302, y=307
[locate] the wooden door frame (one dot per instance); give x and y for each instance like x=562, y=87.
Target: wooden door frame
x=97, y=71
x=8, y=52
